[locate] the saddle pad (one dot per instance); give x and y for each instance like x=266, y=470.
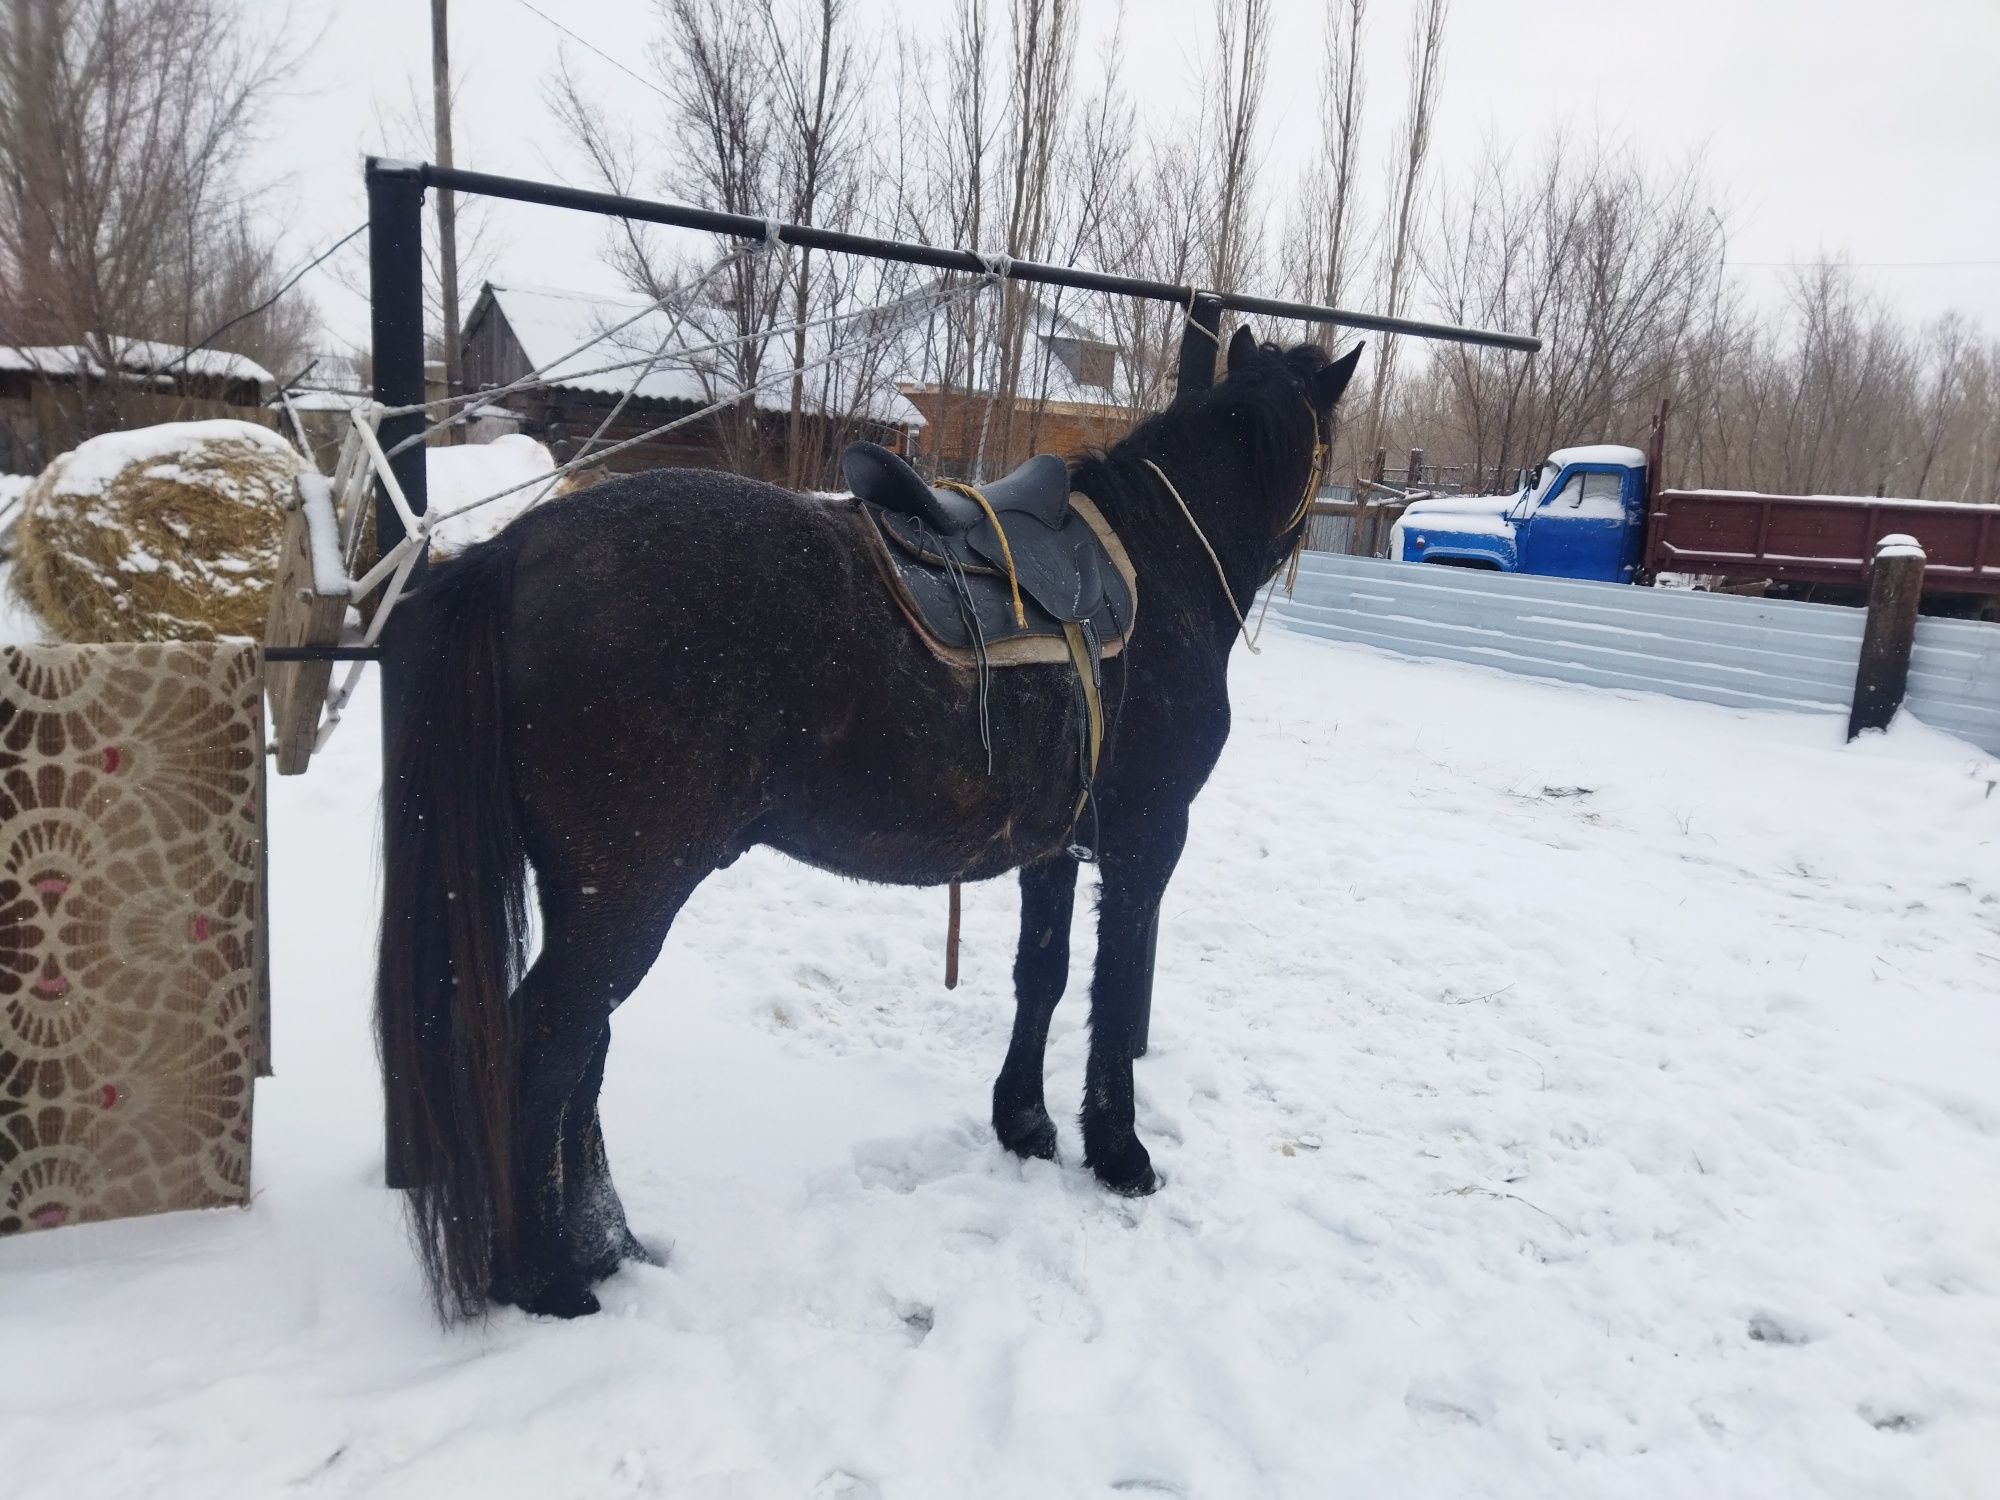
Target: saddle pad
x=1077, y=572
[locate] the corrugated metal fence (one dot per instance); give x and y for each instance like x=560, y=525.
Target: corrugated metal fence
x=1713, y=648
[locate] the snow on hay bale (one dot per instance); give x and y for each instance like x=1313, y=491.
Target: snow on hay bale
x=160, y=533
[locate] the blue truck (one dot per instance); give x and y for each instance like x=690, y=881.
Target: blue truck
x=1598, y=513
x=1581, y=514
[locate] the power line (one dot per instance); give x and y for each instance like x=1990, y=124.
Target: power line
x=1859, y=265
x=588, y=46
x=293, y=280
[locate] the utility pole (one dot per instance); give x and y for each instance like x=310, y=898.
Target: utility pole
x=447, y=207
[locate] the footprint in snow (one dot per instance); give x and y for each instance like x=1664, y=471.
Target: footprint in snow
x=841, y=1485
x=1891, y=1421
x=1767, y=1328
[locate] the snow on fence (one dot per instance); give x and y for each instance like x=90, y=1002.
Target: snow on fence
x=1712, y=648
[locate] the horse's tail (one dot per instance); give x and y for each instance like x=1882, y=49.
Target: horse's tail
x=454, y=926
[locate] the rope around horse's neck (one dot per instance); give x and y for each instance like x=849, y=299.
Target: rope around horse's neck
x=1250, y=638
x=1228, y=593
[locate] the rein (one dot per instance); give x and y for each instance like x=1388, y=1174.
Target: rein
x=1299, y=513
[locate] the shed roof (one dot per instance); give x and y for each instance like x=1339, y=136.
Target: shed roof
x=131, y=356
x=569, y=335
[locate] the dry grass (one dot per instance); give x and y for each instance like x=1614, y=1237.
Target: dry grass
x=177, y=542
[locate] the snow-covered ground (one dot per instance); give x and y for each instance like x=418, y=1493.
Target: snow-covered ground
x=1558, y=1094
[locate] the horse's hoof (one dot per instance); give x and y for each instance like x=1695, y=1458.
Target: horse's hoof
x=1128, y=1171
x=624, y=1246
x=1029, y=1134
x=565, y=1297
x=637, y=1249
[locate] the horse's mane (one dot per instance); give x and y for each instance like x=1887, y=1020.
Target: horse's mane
x=1263, y=410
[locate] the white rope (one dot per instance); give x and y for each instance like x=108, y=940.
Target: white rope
x=400, y=561
x=539, y=378
x=1187, y=321
x=536, y=379
x=1228, y=593
x=659, y=353
x=731, y=399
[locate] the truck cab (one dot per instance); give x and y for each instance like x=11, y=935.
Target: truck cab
x=1581, y=513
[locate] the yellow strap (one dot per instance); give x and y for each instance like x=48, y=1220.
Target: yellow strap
x=1086, y=673
x=971, y=492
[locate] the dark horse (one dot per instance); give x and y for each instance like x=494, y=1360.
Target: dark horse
x=626, y=690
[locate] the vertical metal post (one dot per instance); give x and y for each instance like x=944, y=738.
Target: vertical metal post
x=1895, y=589
x=1201, y=345
x=396, y=297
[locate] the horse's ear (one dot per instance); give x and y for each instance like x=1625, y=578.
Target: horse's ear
x=1242, y=348
x=1332, y=381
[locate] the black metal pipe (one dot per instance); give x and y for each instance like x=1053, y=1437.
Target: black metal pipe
x=396, y=302
x=322, y=653
x=743, y=226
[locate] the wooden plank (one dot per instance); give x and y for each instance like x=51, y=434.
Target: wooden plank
x=305, y=611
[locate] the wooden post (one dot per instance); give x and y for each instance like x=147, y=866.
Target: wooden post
x=951, y=939
x=1415, y=476
x=447, y=207
x=1895, y=588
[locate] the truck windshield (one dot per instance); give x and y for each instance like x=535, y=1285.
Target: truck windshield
x=1595, y=495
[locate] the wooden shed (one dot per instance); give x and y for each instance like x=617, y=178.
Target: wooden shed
x=570, y=336
x=53, y=396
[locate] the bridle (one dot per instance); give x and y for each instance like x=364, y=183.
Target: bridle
x=1299, y=514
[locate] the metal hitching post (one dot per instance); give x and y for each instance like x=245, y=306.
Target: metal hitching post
x=396, y=295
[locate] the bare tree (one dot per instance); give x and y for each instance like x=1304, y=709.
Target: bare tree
x=124, y=131
x=1412, y=152
x=1320, y=234
x=813, y=77
x=1231, y=97
x=447, y=200
x=411, y=128
x=1042, y=35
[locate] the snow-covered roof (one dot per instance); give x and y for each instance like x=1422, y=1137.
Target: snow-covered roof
x=1599, y=453
x=132, y=357
x=571, y=334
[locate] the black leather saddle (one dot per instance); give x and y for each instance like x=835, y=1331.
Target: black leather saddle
x=953, y=567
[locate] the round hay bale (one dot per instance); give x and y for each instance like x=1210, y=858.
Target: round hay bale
x=161, y=533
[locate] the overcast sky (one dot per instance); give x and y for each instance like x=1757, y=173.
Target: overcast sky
x=1852, y=126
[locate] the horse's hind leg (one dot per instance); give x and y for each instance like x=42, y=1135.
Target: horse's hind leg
x=595, y=952
x=1041, y=970
x=599, y=1236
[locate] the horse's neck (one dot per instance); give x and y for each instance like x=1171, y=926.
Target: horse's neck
x=1171, y=551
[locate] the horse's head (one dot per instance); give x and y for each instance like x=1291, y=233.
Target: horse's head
x=1279, y=404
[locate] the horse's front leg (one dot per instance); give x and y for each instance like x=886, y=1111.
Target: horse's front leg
x=1041, y=970
x=1133, y=877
